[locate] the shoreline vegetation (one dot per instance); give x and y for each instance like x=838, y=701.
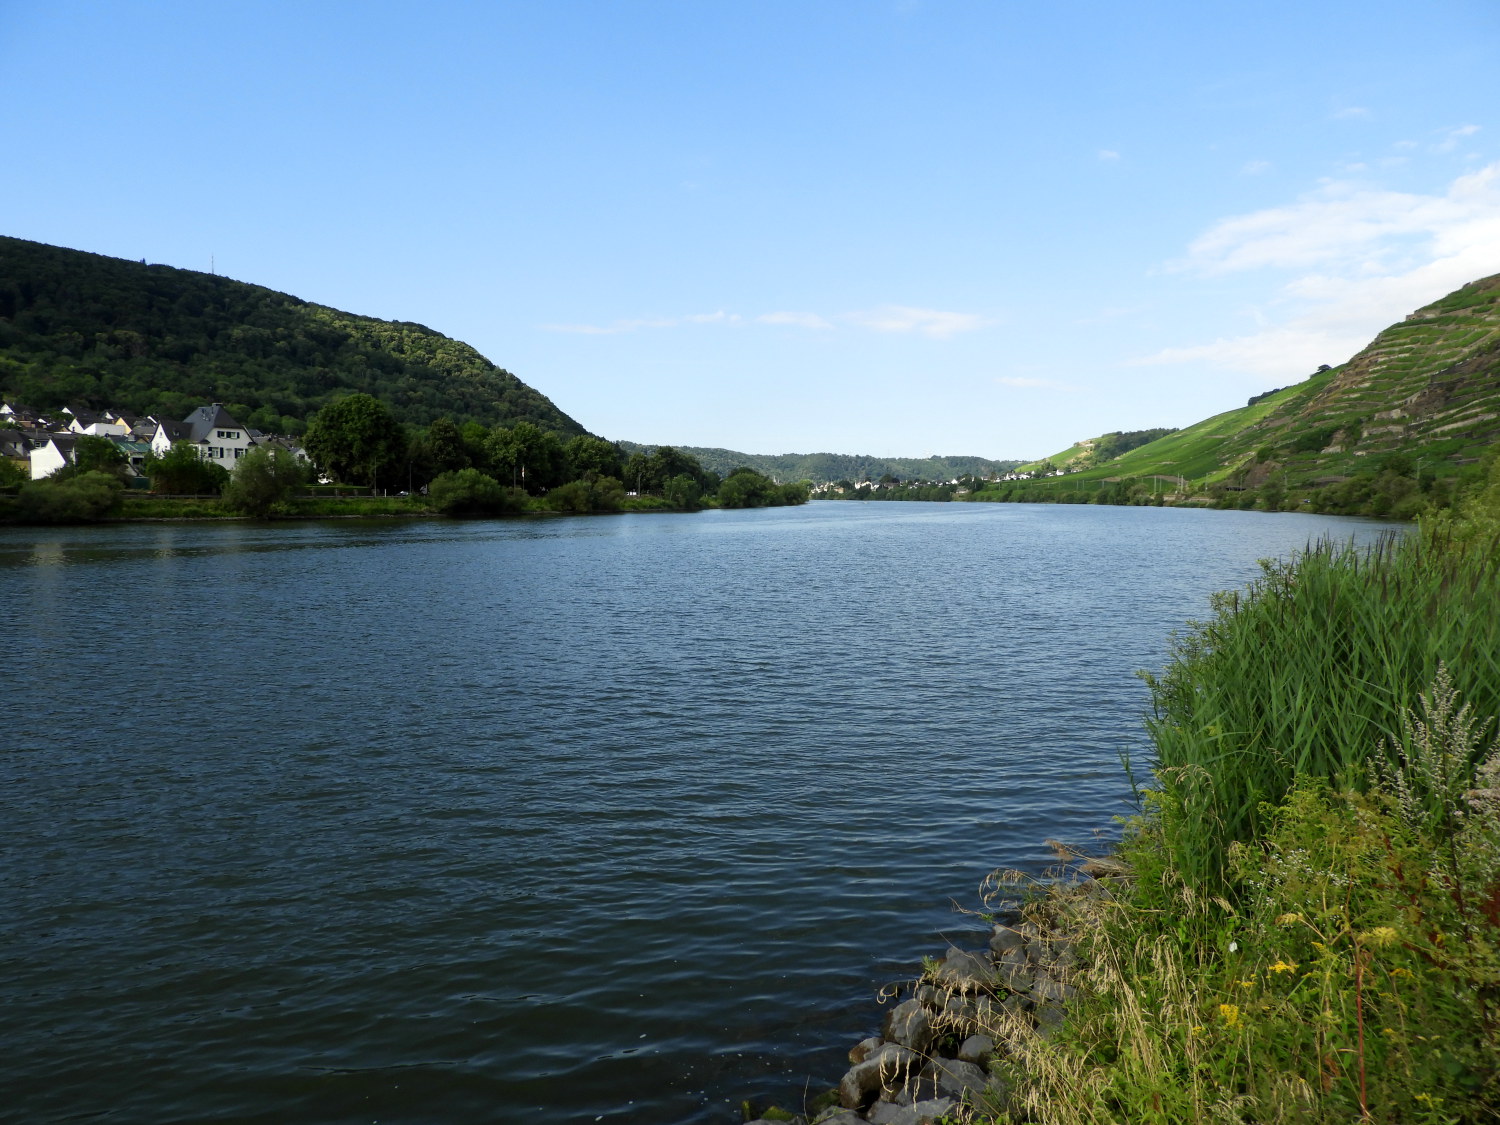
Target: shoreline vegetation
x=1301, y=923
x=380, y=469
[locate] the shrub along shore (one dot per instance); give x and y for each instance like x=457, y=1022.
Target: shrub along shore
x=1302, y=924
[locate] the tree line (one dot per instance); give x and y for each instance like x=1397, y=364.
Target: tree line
x=468, y=469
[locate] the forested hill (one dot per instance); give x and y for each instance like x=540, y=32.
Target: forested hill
x=820, y=467
x=81, y=329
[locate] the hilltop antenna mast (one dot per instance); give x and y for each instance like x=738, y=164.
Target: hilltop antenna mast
x=211, y=268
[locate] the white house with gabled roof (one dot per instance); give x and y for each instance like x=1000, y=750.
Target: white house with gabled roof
x=211, y=429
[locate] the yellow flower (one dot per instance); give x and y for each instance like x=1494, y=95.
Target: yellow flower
x=1319, y=946
x=1381, y=936
x=1247, y=984
x=1400, y=972
x=1288, y=919
x=1198, y=1029
x=1284, y=967
x=1230, y=1014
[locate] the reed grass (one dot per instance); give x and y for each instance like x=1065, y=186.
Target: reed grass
x=1357, y=979
x=1306, y=675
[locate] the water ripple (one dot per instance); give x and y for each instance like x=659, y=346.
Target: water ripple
x=589, y=818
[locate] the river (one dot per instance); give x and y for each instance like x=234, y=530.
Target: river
x=581, y=819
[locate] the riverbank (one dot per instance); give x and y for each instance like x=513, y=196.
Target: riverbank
x=145, y=508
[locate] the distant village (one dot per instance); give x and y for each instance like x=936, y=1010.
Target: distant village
x=45, y=442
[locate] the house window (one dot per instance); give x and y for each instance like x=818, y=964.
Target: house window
x=229, y=435
x=238, y=453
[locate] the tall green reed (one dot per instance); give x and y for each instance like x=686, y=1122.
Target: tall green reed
x=1307, y=674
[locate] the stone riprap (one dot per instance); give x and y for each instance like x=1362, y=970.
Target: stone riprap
x=968, y=1009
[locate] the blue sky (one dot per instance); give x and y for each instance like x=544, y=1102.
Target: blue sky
x=895, y=228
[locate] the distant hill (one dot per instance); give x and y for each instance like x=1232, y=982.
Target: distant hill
x=822, y=467
x=1427, y=389
x=82, y=329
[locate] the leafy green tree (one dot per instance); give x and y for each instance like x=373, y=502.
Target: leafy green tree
x=11, y=474
x=591, y=457
x=85, y=498
x=682, y=491
x=264, y=480
x=181, y=469
x=446, y=450
x=468, y=492
x=357, y=440
x=745, y=488
x=649, y=472
x=533, y=458
x=94, y=455
x=798, y=492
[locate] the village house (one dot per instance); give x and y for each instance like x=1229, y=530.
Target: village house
x=212, y=429
x=52, y=454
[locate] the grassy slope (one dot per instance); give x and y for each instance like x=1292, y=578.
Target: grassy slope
x=1428, y=386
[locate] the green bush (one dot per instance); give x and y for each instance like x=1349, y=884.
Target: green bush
x=264, y=481
x=86, y=498
x=602, y=495
x=468, y=492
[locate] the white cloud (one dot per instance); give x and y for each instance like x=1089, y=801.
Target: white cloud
x=1360, y=258
x=929, y=322
x=1108, y=154
x=796, y=319
x=1256, y=167
x=1451, y=137
x=616, y=327
x=1350, y=111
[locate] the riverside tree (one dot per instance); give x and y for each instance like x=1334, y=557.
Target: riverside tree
x=264, y=479
x=357, y=440
x=181, y=469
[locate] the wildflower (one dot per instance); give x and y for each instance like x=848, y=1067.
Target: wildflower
x=1288, y=919
x=1381, y=936
x=1400, y=972
x=1247, y=984
x=1230, y=1014
x=1198, y=1029
x=1284, y=967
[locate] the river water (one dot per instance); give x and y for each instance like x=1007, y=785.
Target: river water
x=583, y=819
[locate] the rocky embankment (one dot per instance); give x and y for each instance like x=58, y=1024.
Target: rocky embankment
x=967, y=1011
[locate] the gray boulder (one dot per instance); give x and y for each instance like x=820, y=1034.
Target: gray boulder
x=1048, y=990
x=862, y=1050
x=885, y=1070
x=838, y=1116
x=908, y=1024
x=918, y=1113
x=968, y=972
x=976, y=1049
x=1049, y=1018
x=952, y=1078
x=1005, y=939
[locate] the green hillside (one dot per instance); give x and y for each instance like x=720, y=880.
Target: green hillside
x=823, y=467
x=80, y=329
x=1419, y=404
